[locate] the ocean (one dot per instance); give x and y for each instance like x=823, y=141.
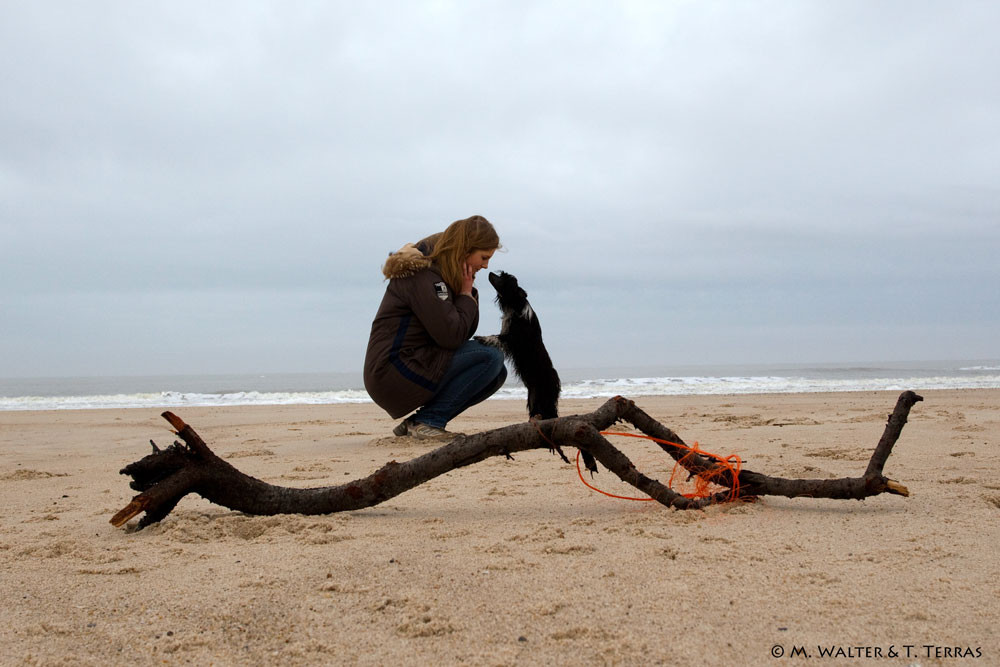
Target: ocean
x=171, y=391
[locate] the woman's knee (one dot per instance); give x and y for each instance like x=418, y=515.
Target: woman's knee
x=487, y=355
x=494, y=358
x=499, y=379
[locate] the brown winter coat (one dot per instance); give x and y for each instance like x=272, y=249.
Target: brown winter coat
x=418, y=327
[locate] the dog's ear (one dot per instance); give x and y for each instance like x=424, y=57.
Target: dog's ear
x=511, y=285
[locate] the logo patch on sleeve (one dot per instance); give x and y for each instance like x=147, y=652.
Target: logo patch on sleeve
x=441, y=290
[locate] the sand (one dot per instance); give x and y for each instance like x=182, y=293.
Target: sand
x=508, y=562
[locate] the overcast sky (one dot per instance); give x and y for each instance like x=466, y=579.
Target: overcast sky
x=191, y=187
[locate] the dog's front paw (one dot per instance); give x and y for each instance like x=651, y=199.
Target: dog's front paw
x=492, y=341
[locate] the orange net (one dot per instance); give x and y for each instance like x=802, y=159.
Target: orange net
x=704, y=483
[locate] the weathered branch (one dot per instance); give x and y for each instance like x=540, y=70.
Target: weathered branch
x=164, y=477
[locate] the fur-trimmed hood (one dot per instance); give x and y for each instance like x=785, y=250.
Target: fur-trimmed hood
x=409, y=259
x=405, y=262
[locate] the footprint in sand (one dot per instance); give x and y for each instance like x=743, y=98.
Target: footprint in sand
x=25, y=475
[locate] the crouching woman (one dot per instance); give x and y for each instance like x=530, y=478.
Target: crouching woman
x=420, y=358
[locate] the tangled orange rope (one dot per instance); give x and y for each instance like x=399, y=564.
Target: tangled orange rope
x=731, y=464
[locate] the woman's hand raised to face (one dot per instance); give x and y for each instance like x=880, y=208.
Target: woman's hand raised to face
x=468, y=275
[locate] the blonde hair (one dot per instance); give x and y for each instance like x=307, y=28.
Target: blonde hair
x=458, y=241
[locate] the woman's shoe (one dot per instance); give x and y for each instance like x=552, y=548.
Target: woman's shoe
x=403, y=428
x=426, y=431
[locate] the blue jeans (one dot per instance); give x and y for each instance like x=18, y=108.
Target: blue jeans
x=476, y=371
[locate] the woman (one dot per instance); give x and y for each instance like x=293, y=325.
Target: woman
x=419, y=353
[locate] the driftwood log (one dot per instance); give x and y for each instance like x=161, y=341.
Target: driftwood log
x=164, y=477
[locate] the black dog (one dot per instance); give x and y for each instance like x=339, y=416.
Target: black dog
x=520, y=340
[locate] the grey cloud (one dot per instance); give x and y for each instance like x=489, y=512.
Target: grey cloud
x=763, y=168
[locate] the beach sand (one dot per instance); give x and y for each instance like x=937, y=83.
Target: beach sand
x=508, y=562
